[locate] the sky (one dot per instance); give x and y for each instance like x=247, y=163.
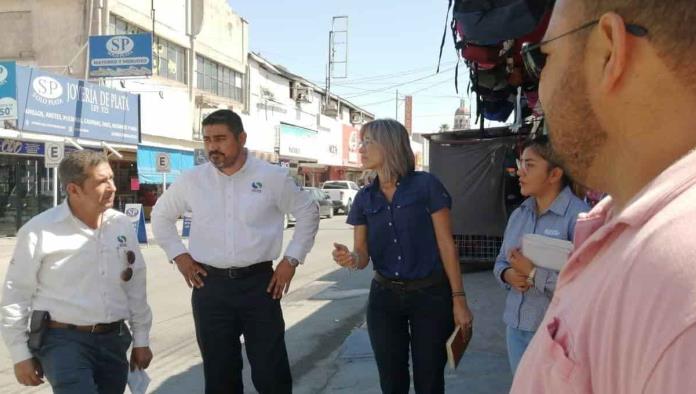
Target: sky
x=390, y=42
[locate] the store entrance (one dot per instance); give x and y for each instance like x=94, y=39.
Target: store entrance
x=25, y=191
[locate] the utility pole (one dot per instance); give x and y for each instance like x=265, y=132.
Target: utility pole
x=338, y=52
x=396, y=106
x=152, y=14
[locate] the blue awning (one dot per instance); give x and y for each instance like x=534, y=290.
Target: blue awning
x=147, y=169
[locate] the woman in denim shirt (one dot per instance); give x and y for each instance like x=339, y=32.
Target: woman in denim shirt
x=402, y=224
x=551, y=210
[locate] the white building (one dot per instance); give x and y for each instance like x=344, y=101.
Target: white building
x=287, y=118
x=200, y=64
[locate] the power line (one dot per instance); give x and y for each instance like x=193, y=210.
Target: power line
x=396, y=85
x=349, y=81
x=410, y=94
x=430, y=87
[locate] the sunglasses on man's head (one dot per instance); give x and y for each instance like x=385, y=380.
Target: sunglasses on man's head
x=127, y=273
x=535, y=60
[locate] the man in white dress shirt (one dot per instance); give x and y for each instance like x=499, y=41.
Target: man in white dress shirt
x=79, y=262
x=238, y=204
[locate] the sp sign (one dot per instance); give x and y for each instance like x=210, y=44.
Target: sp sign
x=4, y=74
x=47, y=87
x=120, y=46
x=8, y=91
x=122, y=55
x=163, y=163
x=53, y=154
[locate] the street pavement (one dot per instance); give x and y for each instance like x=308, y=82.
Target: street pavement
x=325, y=331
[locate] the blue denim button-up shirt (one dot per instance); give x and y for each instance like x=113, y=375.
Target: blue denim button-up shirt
x=525, y=311
x=400, y=235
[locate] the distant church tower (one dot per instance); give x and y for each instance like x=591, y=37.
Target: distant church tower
x=462, y=117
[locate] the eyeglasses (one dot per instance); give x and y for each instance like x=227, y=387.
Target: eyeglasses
x=365, y=143
x=535, y=60
x=127, y=273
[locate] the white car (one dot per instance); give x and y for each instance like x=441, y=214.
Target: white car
x=342, y=194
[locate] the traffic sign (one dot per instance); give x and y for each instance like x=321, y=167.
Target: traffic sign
x=199, y=156
x=53, y=154
x=164, y=163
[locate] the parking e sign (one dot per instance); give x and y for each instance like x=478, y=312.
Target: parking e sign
x=163, y=162
x=53, y=154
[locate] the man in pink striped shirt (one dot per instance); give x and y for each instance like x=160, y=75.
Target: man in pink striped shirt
x=619, y=92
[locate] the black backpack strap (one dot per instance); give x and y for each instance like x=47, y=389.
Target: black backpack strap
x=444, y=35
x=456, y=76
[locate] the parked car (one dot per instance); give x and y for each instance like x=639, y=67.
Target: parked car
x=342, y=194
x=326, y=208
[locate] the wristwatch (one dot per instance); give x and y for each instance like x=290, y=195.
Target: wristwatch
x=531, y=276
x=293, y=261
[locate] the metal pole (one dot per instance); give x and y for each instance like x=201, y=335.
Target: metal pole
x=328, y=71
x=396, y=105
x=55, y=186
x=89, y=33
x=152, y=6
x=164, y=182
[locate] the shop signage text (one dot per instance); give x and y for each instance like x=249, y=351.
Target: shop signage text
x=58, y=105
x=124, y=55
x=298, y=141
x=16, y=147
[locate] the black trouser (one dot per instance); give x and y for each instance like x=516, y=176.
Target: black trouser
x=420, y=318
x=224, y=309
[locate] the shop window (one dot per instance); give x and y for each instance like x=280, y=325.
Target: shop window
x=219, y=80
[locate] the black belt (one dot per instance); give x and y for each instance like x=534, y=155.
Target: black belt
x=411, y=285
x=241, y=272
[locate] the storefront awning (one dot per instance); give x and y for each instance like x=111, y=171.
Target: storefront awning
x=147, y=169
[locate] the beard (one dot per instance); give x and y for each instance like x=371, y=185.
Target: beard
x=575, y=132
x=222, y=161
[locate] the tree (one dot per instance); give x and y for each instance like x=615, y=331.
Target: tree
x=444, y=127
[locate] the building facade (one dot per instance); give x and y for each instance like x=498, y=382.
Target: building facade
x=288, y=118
x=201, y=63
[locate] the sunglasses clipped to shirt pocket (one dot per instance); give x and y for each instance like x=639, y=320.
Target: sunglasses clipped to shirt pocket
x=128, y=257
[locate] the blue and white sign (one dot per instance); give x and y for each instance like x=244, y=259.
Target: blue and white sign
x=17, y=147
x=125, y=55
x=137, y=217
x=186, y=227
x=8, y=91
x=58, y=105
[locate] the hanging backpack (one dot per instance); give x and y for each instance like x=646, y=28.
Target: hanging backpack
x=489, y=22
x=487, y=57
x=498, y=111
x=534, y=37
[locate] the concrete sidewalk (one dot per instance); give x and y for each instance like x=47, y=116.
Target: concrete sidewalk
x=484, y=368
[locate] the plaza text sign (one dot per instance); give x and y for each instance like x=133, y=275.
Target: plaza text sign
x=58, y=105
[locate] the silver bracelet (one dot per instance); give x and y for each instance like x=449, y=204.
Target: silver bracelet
x=356, y=257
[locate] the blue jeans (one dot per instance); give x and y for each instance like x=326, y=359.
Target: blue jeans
x=421, y=320
x=517, y=342
x=76, y=362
